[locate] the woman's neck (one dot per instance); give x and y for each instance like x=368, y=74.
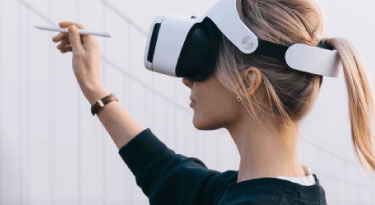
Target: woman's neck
x=264, y=154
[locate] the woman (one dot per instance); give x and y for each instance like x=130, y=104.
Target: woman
x=259, y=100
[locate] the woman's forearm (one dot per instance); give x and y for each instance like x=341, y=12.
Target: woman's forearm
x=117, y=121
x=86, y=66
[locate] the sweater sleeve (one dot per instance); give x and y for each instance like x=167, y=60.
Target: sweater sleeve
x=169, y=178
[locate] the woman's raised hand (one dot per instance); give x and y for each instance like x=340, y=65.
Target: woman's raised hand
x=86, y=59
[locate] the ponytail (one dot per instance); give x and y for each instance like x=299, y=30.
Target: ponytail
x=361, y=102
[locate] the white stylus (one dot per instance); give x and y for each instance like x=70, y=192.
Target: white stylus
x=82, y=32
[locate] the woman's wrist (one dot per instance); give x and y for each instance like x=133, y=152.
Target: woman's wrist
x=94, y=92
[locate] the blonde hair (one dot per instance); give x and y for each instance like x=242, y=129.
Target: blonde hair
x=285, y=95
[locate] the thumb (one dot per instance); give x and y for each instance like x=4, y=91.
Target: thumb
x=75, y=39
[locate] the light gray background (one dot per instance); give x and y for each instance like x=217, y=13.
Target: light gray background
x=52, y=151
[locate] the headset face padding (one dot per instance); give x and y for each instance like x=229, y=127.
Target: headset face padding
x=198, y=56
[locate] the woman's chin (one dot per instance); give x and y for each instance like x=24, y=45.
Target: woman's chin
x=197, y=124
x=200, y=124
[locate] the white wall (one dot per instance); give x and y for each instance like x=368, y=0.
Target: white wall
x=52, y=151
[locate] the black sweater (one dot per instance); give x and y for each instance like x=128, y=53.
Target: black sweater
x=169, y=178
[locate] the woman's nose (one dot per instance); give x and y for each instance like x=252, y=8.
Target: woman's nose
x=187, y=82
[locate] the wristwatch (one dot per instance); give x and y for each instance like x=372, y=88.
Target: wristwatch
x=97, y=106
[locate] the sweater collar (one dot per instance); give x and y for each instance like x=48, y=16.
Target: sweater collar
x=310, y=193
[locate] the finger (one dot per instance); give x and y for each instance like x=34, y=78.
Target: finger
x=75, y=40
x=63, y=44
x=85, y=38
x=66, y=24
x=59, y=37
x=66, y=49
x=62, y=47
x=89, y=42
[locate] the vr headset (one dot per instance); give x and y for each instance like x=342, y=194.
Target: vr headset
x=188, y=46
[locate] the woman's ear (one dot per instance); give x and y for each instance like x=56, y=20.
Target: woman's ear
x=253, y=78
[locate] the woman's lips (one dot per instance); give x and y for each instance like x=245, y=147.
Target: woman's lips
x=192, y=103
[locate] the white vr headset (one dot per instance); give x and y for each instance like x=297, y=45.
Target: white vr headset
x=188, y=46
